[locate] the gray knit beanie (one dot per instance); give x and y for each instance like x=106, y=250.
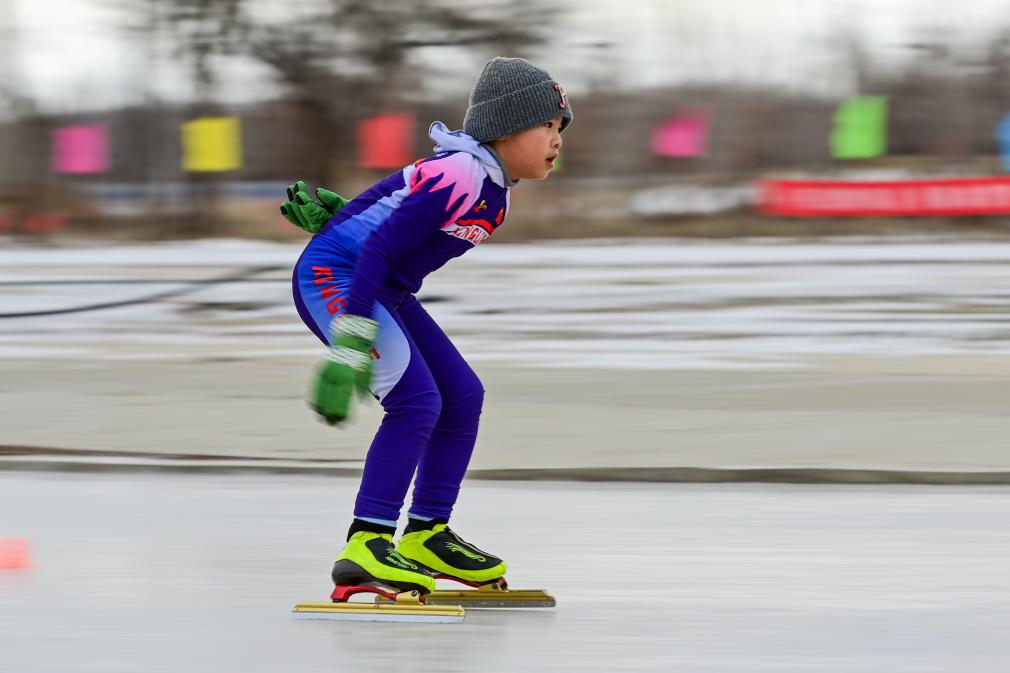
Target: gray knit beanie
x=512, y=94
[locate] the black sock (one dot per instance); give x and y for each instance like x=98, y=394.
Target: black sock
x=359, y=525
x=414, y=525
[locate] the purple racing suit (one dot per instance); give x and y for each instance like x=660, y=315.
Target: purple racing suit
x=369, y=260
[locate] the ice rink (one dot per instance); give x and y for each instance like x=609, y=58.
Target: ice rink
x=629, y=304
x=848, y=353
x=836, y=356
x=179, y=573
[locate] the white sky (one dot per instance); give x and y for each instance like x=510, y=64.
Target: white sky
x=74, y=55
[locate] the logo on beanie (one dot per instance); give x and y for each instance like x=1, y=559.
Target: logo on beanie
x=561, y=94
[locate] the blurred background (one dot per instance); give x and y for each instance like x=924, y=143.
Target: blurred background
x=182, y=118
x=774, y=254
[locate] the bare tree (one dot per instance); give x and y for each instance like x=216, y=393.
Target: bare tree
x=342, y=58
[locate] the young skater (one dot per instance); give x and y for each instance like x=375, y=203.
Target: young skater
x=354, y=287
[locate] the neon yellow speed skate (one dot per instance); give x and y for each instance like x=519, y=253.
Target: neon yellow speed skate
x=448, y=556
x=370, y=565
x=370, y=559
x=436, y=547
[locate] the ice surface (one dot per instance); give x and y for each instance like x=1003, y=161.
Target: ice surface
x=627, y=304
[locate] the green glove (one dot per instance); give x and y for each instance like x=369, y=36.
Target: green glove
x=301, y=211
x=348, y=367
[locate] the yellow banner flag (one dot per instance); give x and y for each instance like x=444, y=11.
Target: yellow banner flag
x=212, y=144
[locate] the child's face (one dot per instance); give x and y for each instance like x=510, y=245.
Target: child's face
x=530, y=154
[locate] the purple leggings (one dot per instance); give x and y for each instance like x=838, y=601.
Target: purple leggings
x=431, y=397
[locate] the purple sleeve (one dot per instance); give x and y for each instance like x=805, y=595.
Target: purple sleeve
x=441, y=190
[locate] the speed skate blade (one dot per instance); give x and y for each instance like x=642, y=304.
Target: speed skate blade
x=488, y=598
x=380, y=612
x=503, y=598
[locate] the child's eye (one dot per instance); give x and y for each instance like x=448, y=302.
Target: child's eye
x=549, y=125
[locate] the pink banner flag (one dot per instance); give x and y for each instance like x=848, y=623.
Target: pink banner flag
x=683, y=135
x=385, y=141
x=81, y=149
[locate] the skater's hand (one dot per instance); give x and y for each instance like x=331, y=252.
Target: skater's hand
x=301, y=211
x=347, y=369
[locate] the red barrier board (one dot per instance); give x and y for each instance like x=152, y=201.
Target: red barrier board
x=912, y=198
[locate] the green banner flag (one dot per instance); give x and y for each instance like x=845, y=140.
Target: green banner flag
x=860, y=128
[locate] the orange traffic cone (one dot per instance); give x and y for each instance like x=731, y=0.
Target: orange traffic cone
x=14, y=553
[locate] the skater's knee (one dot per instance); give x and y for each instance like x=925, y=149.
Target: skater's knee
x=466, y=399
